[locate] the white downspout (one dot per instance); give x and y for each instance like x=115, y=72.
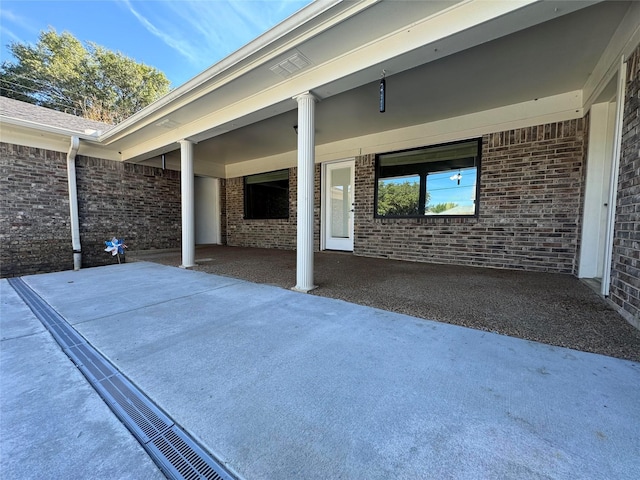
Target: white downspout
x=73, y=202
x=615, y=170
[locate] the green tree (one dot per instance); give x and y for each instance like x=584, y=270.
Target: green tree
x=441, y=207
x=62, y=73
x=398, y=199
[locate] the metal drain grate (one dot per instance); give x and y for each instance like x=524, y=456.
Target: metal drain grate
x=177, y=454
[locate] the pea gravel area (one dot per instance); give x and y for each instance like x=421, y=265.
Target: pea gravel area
x=550, y=308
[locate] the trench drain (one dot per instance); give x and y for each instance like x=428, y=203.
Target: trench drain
x=175, y=453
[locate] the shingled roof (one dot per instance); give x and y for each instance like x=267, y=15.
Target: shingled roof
x=26, y=111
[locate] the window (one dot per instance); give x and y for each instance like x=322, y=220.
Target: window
x=439, y=180
x=266, y=195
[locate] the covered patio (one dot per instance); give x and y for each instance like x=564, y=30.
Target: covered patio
x=554, y=309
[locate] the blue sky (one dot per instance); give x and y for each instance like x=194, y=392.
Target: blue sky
x=179, y=37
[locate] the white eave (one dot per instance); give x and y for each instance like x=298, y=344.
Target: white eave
x=92, y=135
x=211, y=78
x=507, y=52
x=460, y=23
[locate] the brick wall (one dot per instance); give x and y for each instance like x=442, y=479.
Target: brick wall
x=34, y=211
x=625, y=271
x=139, y=203
x=529, y=207
x=275, y=233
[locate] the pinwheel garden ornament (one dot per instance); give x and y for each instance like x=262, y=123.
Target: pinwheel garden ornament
x=116, y=246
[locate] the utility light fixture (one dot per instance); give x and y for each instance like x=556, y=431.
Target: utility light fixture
x=383, y=92
x=457, y=176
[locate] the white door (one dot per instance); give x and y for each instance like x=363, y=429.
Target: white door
x=596, y=196
x=207, y=210
x=338, y=205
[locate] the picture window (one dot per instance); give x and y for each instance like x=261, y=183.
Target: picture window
x=441, y=180
x=266, y=195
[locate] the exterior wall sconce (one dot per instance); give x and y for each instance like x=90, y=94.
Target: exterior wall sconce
x=295, y=127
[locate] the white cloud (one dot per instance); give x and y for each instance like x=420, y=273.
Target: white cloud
x=205, y=31
x=22, y=22
x=7, y=17
x=174, y=42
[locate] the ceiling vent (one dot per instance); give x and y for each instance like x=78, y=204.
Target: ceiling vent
x=291, y=65
x=167, y=123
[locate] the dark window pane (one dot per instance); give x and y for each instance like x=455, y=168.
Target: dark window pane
x=267, y=195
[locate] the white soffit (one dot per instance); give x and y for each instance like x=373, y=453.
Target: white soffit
x=375, y=22
x=443, y=34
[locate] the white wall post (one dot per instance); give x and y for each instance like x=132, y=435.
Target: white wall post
x=615, y=171
x=188, y=204
x=306, y=165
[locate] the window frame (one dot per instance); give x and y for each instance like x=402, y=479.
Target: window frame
x=245, y=196
x=377, y=178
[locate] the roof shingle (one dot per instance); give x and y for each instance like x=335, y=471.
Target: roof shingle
x=26, y=111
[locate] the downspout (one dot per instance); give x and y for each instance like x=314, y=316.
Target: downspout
x=73, y=202
x=613, y=186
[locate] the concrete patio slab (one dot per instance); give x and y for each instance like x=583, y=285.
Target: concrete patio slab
x=549, y=308
x=282, y=385
x=52, y=423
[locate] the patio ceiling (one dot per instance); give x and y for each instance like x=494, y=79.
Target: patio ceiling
x=538, y=51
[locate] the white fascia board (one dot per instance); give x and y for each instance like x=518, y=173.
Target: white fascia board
x=623, y=42
x=32, y=138
x=96, y=151
x=40, y=127
x=32, y=134
x=221, y=73
x=567, y=106
x=458, y=18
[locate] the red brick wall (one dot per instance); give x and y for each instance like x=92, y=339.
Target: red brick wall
x=529, y=207
x=139, y=203
x=35, y=232
x=136, y=202
x=272, y=233
x=625, y=271
x=276, y=233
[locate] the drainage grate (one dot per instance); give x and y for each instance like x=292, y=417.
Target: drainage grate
x=177, y=454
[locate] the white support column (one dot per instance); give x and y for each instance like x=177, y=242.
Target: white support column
x=306, y=165
x=188, y=204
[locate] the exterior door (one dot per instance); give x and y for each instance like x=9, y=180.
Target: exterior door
x=596, y=197
x=338, y=205
x=207, y=210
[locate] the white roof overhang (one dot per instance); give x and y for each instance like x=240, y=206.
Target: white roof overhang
x=444, y=60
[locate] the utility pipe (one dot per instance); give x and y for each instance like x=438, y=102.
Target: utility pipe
x=73, y=202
